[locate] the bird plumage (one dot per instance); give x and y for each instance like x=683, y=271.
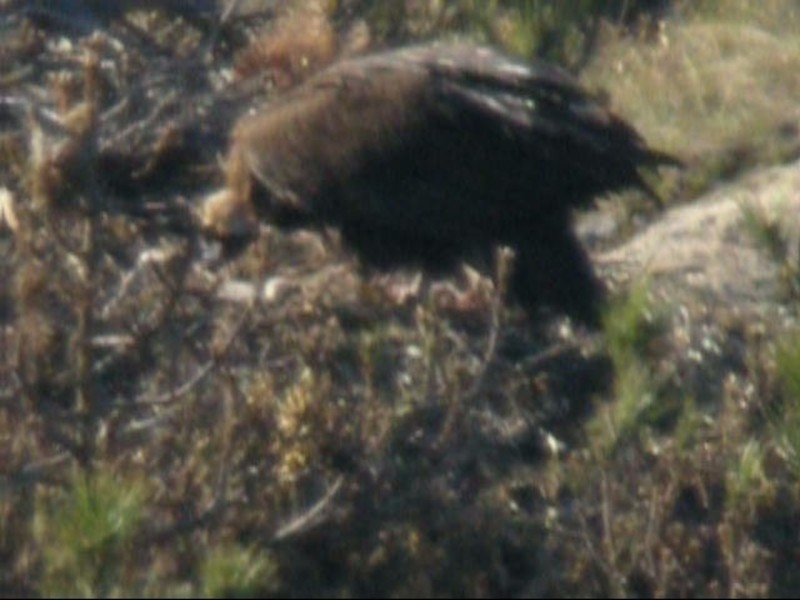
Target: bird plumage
x=433, y=154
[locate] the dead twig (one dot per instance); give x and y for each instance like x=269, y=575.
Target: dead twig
x=313, y=517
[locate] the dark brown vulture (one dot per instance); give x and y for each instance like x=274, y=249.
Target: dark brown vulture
x=433, y=154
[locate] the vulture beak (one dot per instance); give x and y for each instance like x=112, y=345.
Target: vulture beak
x=227, y=225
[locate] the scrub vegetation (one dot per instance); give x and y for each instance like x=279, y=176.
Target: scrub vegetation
x=283, y=424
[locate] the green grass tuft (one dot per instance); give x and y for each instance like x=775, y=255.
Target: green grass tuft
x=87, y=532
x=785, y=420
x=237, y=572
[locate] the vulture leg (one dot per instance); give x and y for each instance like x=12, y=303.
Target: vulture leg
x=552, y=269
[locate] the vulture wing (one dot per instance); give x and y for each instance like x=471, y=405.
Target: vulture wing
x=441, y=140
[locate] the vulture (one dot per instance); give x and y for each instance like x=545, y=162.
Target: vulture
x=432, y=155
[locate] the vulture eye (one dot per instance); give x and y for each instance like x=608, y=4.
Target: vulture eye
x=429, y=155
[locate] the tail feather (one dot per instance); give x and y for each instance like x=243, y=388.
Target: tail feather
x=657, y=158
